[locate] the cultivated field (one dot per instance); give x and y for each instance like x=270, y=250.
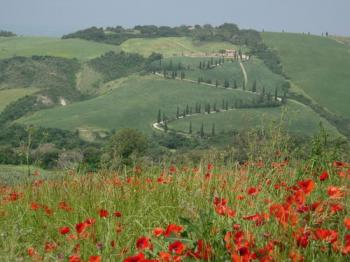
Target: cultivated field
x=173, y=46
x=50, y=46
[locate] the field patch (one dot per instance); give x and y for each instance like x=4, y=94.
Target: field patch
x=51, y=46
x=318, y=65
x=173, y=46
x=10, y=95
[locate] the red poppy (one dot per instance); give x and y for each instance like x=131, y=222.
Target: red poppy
x=210, y=166
x=177, y=247
x=80, y=227
x=117, y=214
x=31, y=251
x=252, y=191
x=64, y=206
x=64, y=230
x=35, y=206
x=307, y=186
x=347, y=223
x=334, y=192
x=137, y=258
x=327, y=235
x=50, y=246
x=324, y=176
x=144, y=243
x=103, y=213
x=173, y=229
x=75, y=258
x=95, y=259
x=158, y=231
x=336, y=208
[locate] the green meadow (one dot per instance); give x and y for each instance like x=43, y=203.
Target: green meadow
x=51, y=46
x=10, y=95
x=317, y=65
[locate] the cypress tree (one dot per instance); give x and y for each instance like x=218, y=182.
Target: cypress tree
x=190, y=128
x=187, y=109
x=159, y=118
x=254, y=87
x=165, y=126
x=235, y=84
x=202, y=130
x=213, y=130
x=276, y=94
x=177, y=112
x=216, y=83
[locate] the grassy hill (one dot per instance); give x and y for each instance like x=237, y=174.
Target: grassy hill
x=50, y=46
x=296, y=118
x=10, y=95
x=317, y=65
x=132, y=103
x=172, y=46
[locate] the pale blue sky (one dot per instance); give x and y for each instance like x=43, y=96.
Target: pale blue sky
x=57, y=17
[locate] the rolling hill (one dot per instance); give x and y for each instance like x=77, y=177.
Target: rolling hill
x=319, y=66
x=51, y=46
x=10, y=95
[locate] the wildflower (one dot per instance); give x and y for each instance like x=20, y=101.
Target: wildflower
x=329, y=236
x=336, y=208
x=117, y=214
x=177, y=247
x=307, y=186
x=31, y=252
x=80, y=227
x=144, y=243
x=50, y=246
x=324, y=176
x=158, y=231
x=137, y=258
x=95, y=259
x=64, y=206
x=173, y=229
x=103, y=213
x=75, y=258
x=334, y=192
x=252, y=191
x=347, y=223
x=35, y=206
x=64, y=230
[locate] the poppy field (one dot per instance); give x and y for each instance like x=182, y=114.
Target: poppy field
x=276, y=211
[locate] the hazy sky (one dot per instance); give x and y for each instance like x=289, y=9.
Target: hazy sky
x=57, y=17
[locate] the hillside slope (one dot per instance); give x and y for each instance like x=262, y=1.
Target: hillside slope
x=317, y=65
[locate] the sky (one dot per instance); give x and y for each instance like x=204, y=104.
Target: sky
x=58, y=17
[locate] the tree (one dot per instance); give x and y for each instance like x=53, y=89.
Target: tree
x=235, y=84
x=177, y=112
x=254, y=87
x=187, y=109
x=276, y=94
x=200, y=65
x=124, y=144
x=190, y=128
x=213, y=130
x=202, y=130
x=216, y=83
x=159, y=118
x=165, y=126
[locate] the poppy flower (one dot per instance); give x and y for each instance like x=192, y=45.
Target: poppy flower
x=35, y=206
x=64, y=230
x=75, y=258
x=347, y=223
x=103, y=213
x=137, y=258
x=252, y=191
x=95, y=259
x=177, y=247
x=324, y=176
x=336, y=208
x=64, y=206
x=144, y=243
x=334, y=192
x=31, y=251
x=329, y=236
x=307, y=186
x=80, y=227
x=117, y=214
x=158, y=231
x=173, y=229
x=50, y=246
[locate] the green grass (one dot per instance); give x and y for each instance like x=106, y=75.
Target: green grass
x=50, y=46
x=172, y=46
x=11, y=175
x=297, y=118
x=32, y=215
x=318, y=65
x=10, y=95
x=257, y=71
x=134, y=103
